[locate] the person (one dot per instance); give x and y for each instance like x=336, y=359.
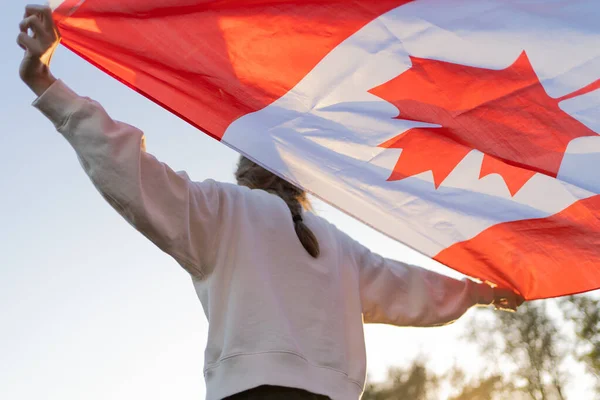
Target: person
x=284, y=291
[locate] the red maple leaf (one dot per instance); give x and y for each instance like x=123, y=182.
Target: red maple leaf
x=506, y=114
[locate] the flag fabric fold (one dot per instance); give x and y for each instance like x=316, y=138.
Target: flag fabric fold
x=467, y=130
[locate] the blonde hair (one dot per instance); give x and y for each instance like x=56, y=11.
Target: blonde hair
x=254, y=176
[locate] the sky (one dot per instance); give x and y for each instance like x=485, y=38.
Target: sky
x=88, y=307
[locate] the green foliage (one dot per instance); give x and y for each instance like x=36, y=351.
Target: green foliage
x=414, y=382
x=531, y=339
x=482, y=389
x=584, y=312
x=524, y=353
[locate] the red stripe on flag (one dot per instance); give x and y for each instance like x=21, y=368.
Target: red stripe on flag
x=540, y=258
x=211, y=62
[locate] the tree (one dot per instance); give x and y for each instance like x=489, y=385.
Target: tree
x=532, y=343
x=584, y=312
x=414, y=382
x=417, y=383
x=524, y=355
x=480, y=388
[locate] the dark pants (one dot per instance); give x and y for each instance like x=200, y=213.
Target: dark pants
x=276, y=393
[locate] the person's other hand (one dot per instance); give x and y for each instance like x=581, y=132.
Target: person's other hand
x=39, y=37
x=506, y=300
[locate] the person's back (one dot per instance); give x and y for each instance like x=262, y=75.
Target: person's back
x=284, y=291
x=274, y=311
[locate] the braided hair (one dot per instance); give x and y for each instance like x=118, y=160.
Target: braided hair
x=254, y=176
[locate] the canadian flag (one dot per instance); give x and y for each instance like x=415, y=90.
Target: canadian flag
x=466, y=129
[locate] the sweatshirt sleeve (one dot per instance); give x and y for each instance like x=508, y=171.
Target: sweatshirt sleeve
x=176, y=214
x=404, y=295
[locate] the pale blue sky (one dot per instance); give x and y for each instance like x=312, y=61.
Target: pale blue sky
x=88, y=307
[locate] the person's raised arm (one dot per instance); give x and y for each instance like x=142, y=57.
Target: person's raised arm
x=404, y=295
x=39, y=37
x=178, y=215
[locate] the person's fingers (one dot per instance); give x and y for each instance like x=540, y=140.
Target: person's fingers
x=34, y=23
x=20, y=43
x=511, y=303
x=507, y=295
x=24, y=24
x=37, y=9
x=515, y=300
x=506, y=300
x=25, y=41
x=506, y=307
x=43, y=12
x=500, y=295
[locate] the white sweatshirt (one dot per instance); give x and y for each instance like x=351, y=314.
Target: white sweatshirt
x=276, y=315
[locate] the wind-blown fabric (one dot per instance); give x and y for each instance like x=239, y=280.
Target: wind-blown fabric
x=468, y=130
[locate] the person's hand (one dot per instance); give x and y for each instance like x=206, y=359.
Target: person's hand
x=39, y=37
x=506, y=300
